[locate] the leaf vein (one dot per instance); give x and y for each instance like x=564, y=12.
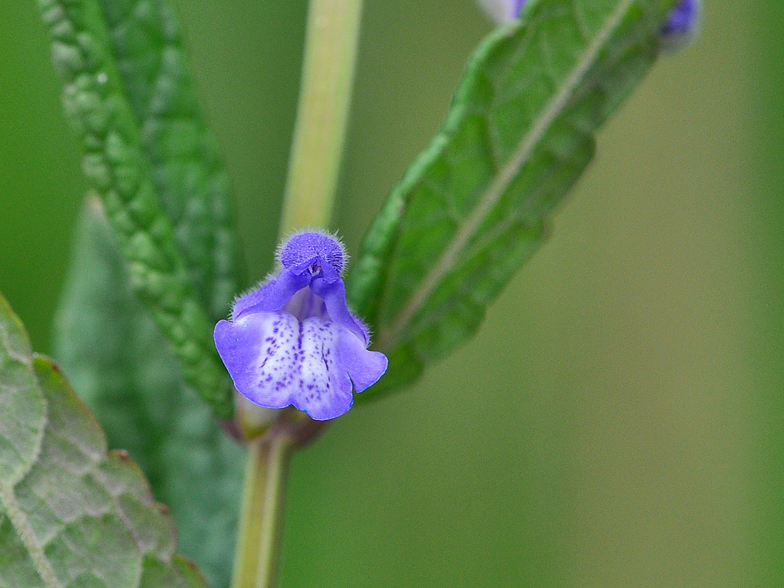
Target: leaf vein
x=27, y=535
x=501, y=182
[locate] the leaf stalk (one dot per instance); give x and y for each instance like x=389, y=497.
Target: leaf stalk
x=322, y=114
x=255, y=564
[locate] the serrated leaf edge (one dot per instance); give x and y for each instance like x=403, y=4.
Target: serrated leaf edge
x=6, y=341
x=17, y=516
x=502, y=180
x=28, y=361
x=7, y=498
x=41, y=363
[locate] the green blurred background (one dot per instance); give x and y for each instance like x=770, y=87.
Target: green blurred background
x=618, y=420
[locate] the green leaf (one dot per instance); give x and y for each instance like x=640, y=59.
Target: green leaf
x=147, y=44
x=21, y=404
x=117, y=358
x=119, y=170
x=72, y=514
x=472, y=208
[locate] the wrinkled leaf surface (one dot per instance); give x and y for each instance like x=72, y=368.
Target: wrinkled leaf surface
x=118, y=360
x=71, y=514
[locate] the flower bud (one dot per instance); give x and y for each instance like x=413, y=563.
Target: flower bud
x=502, y=11
x=679, y=30
x=682, y=25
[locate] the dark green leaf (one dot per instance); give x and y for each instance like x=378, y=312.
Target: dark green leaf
x=117, y=359
x=71, y=514
x=472, y=207
x=119, y=170
x=147, y=44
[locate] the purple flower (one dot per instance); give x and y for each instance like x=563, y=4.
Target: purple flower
x=680, y=28
x=682, y=24
x=502, y=11
x=294, y=341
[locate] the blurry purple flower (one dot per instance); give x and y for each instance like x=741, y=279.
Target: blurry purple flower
x=293, y=341
x=680, y=28
x=502, y=11
x=682, y=24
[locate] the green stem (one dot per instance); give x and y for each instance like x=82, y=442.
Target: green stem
x=255, y=563
x=325, y=97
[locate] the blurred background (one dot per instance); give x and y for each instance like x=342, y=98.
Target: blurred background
x=618, y=421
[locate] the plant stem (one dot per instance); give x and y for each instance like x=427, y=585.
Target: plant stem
x=322, y=114
x=325, y=96
x=255, y=563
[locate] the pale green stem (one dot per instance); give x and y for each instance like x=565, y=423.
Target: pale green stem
x=325, y=96
x=324, y=100
x=255, y=562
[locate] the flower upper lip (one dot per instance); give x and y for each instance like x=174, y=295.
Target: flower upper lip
x=314, y=266
x=274, y=296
